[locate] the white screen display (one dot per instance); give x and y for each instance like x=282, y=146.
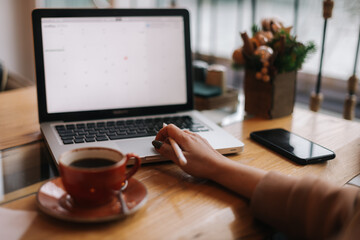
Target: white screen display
x=98, y=63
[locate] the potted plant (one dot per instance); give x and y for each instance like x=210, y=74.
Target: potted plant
x=271, y=58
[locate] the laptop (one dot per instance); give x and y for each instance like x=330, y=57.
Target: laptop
x=111, y=77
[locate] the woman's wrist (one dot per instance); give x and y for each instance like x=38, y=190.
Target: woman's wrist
x=240, y=178
x=220, y=168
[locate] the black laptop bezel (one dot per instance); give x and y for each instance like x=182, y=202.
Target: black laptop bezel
x=44, y=116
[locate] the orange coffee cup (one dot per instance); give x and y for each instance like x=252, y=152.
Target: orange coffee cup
x=93, y=176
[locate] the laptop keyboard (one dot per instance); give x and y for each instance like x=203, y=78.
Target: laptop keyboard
x=115, y=130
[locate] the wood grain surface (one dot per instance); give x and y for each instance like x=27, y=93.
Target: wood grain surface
x=341, y=136
x=19, y=122
x=183, y=207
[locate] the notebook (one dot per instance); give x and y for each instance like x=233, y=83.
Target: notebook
x=111, y=77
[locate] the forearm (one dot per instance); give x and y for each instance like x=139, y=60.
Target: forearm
x=238, y=177
x=305, y=208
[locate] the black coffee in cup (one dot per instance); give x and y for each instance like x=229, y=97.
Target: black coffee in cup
x=92, y=163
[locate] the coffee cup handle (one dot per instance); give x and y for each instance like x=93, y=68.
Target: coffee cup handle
x=136, y=166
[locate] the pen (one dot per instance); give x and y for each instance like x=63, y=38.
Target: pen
x=177, y=150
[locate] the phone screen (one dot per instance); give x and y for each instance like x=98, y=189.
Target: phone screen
x=292, y=146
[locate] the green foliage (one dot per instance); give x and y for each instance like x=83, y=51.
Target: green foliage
x=288, y=54
x=292, y=54
x=254, y=29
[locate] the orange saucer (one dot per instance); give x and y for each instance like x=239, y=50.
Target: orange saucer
x=53, y=200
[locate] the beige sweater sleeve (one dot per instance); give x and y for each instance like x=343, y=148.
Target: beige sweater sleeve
x=305, y=208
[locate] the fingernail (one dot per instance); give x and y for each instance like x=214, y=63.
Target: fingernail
x=157, y=144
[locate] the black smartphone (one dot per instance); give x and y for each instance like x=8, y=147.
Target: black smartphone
x=292, y=146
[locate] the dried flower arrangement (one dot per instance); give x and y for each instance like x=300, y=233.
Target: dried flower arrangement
x=271, y=50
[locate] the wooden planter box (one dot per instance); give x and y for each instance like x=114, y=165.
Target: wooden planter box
x=272, y=99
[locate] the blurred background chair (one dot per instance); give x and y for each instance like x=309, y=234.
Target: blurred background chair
x=3, y=76
x=9, y=80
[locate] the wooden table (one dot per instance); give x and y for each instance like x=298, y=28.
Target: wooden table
x=180, y=206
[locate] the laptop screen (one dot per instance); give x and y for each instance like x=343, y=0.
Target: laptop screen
x=99, y=63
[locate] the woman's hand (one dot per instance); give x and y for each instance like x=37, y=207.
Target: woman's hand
x=202, y=160
x=205, y=162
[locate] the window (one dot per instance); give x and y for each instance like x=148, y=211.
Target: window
x=216, y=24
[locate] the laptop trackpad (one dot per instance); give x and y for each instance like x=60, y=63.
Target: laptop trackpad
x=139, y=146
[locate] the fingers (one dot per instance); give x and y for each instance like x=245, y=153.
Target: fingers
x=164, y=147
x=191, y=133
x=165, y=150
x=184, y=138
x=171, y=131
x=164, y=132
